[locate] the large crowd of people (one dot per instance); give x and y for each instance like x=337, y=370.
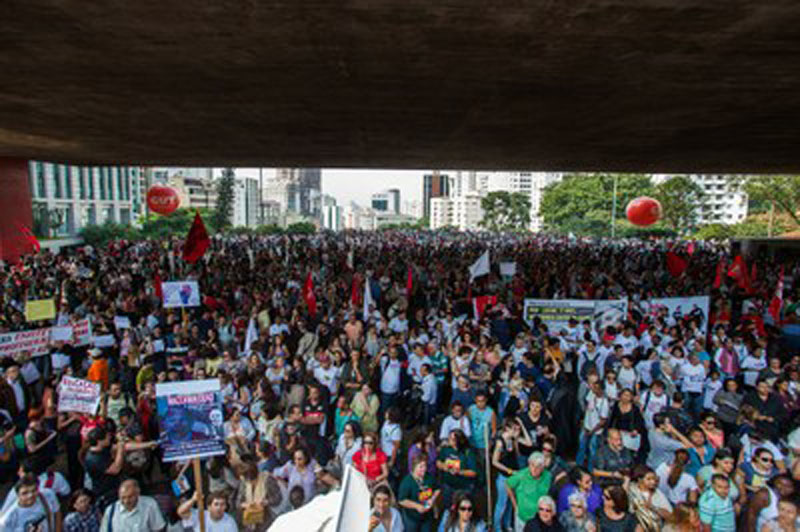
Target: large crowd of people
x=369, y=351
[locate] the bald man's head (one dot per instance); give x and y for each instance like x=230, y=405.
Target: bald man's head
x=129, y=494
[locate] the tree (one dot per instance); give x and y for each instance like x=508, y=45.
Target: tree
x=680, y=199
x=582, y=203
x=506, y=211
x=224, y=211
x=783, y=191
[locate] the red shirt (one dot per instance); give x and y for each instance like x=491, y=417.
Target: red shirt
x=370, y=467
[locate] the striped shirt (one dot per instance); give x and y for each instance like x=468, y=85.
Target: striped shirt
x=717, y=512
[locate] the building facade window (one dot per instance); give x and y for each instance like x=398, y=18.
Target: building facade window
x=41, y=188
x=68, y=181
x=58, y=192
x=91, y=183
x=103, y=183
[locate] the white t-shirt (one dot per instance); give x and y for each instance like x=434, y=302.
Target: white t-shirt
x=391, y=434
x=60, y=487
x=628, y=343
x=679, y=493
x=752, y=366
x=596, y=409
x=652, y=406
x=711, y=389
x=693, y=377
x=18, y=519
x=226, y=524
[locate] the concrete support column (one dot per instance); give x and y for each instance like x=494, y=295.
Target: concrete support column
x=15, y=208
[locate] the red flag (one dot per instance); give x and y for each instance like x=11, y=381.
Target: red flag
x=777, y=300
x=738, y=271
x=409, y=282
x=30, y=237
x=676, y=264
x=753, y=272
x=480, y=303
x=690, y=248
x=718, y=278
x=354, y=291
x=197, y=241
x=157, y=286
x=309, y=296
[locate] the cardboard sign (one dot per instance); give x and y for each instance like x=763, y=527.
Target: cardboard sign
x=190, y=418
x=78, y=395
x=40, y=309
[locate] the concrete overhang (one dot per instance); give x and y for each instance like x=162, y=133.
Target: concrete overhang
x=635, y=85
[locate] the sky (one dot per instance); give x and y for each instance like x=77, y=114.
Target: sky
x=358, y=185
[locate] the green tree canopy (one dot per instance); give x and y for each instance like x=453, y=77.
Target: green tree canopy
x=581, y=203
x=224, y=209
x=506, y=211
x=680, y=199
x=781, y=190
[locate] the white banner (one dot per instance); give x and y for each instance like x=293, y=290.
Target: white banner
x=609, y=312
x=508, y=269
x=681, y=308
x=34, y=342
x=556, y=313
x=78, y=395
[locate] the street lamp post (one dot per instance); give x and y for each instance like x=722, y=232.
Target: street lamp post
x=614, y=208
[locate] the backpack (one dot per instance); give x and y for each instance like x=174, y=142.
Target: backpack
x=588, y=365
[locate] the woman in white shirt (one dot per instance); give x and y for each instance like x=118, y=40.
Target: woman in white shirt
x=384, y=517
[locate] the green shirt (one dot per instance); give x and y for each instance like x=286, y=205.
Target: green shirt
x=440, y=362
x=528, y=491
x=717, y=512
x=420, y=492
x=465, y=461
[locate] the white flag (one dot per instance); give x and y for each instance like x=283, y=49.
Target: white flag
x=367, y=299
x=479, y=267
x=252, y=334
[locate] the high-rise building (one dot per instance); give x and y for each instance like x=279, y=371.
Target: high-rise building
x=245, y=202
x=434, y=185
x=297, y=190
x=67, y=198
x=380, y=201
x=394, y=200
x=163, y=174
x=195, y=193
x=529, y=183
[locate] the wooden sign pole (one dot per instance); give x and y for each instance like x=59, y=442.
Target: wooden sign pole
x=198, y=489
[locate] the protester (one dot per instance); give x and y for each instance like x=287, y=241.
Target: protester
x=133, y=511
x=312, y=336
x=462, y=516
x=384, y=516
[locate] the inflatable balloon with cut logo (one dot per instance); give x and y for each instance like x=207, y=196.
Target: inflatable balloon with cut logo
x=162, y=199
x=643, y=211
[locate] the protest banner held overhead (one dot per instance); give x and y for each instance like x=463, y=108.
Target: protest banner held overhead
x=78, y=395
x=190, y=418
x=40, y=309
x=34, y=342
x=180, y=294
x=681, y=308
x=556, y=313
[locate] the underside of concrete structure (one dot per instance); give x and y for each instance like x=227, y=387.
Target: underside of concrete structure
x=639, y=85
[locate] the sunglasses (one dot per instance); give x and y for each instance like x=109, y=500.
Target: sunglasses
x=465, y=508
x=547, y=450
x=369, y=442
x=546, y=510
x=766, y=459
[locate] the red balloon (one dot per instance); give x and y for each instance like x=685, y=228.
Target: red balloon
x=643, y=211
x=163, y=199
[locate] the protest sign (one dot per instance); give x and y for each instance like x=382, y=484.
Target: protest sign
x=61, y=334
x=40, y=309
x=609, y=312
x=180, y=294
x=190, y=419
x=556, y=313
x=106, y=340
x=122, y=322
x=681, y=308
x=35, y=342
x=81, y=333
x=508, y=269
x=78, y=395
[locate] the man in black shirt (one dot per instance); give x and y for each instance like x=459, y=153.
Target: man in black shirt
x=103, y=466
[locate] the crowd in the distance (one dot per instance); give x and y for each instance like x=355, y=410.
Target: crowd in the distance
x=460, y=422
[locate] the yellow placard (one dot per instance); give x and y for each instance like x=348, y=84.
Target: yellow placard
x=40, y=309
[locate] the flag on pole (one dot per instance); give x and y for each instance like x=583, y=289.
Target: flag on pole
x=197, y=240
x=157, y=286
x=409, y=282
x=309, y=296
x=738, y=271
x=676, y=264
x=479, y=267
x=252, y=334
x=777, y=300
x=354, y=291
x=29, y=237
x=480, y=303
x=753, y=272
x=367, y=298
x=718, y=277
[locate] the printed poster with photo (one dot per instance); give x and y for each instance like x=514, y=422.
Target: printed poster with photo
x=190, y=418
x=180, y=294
